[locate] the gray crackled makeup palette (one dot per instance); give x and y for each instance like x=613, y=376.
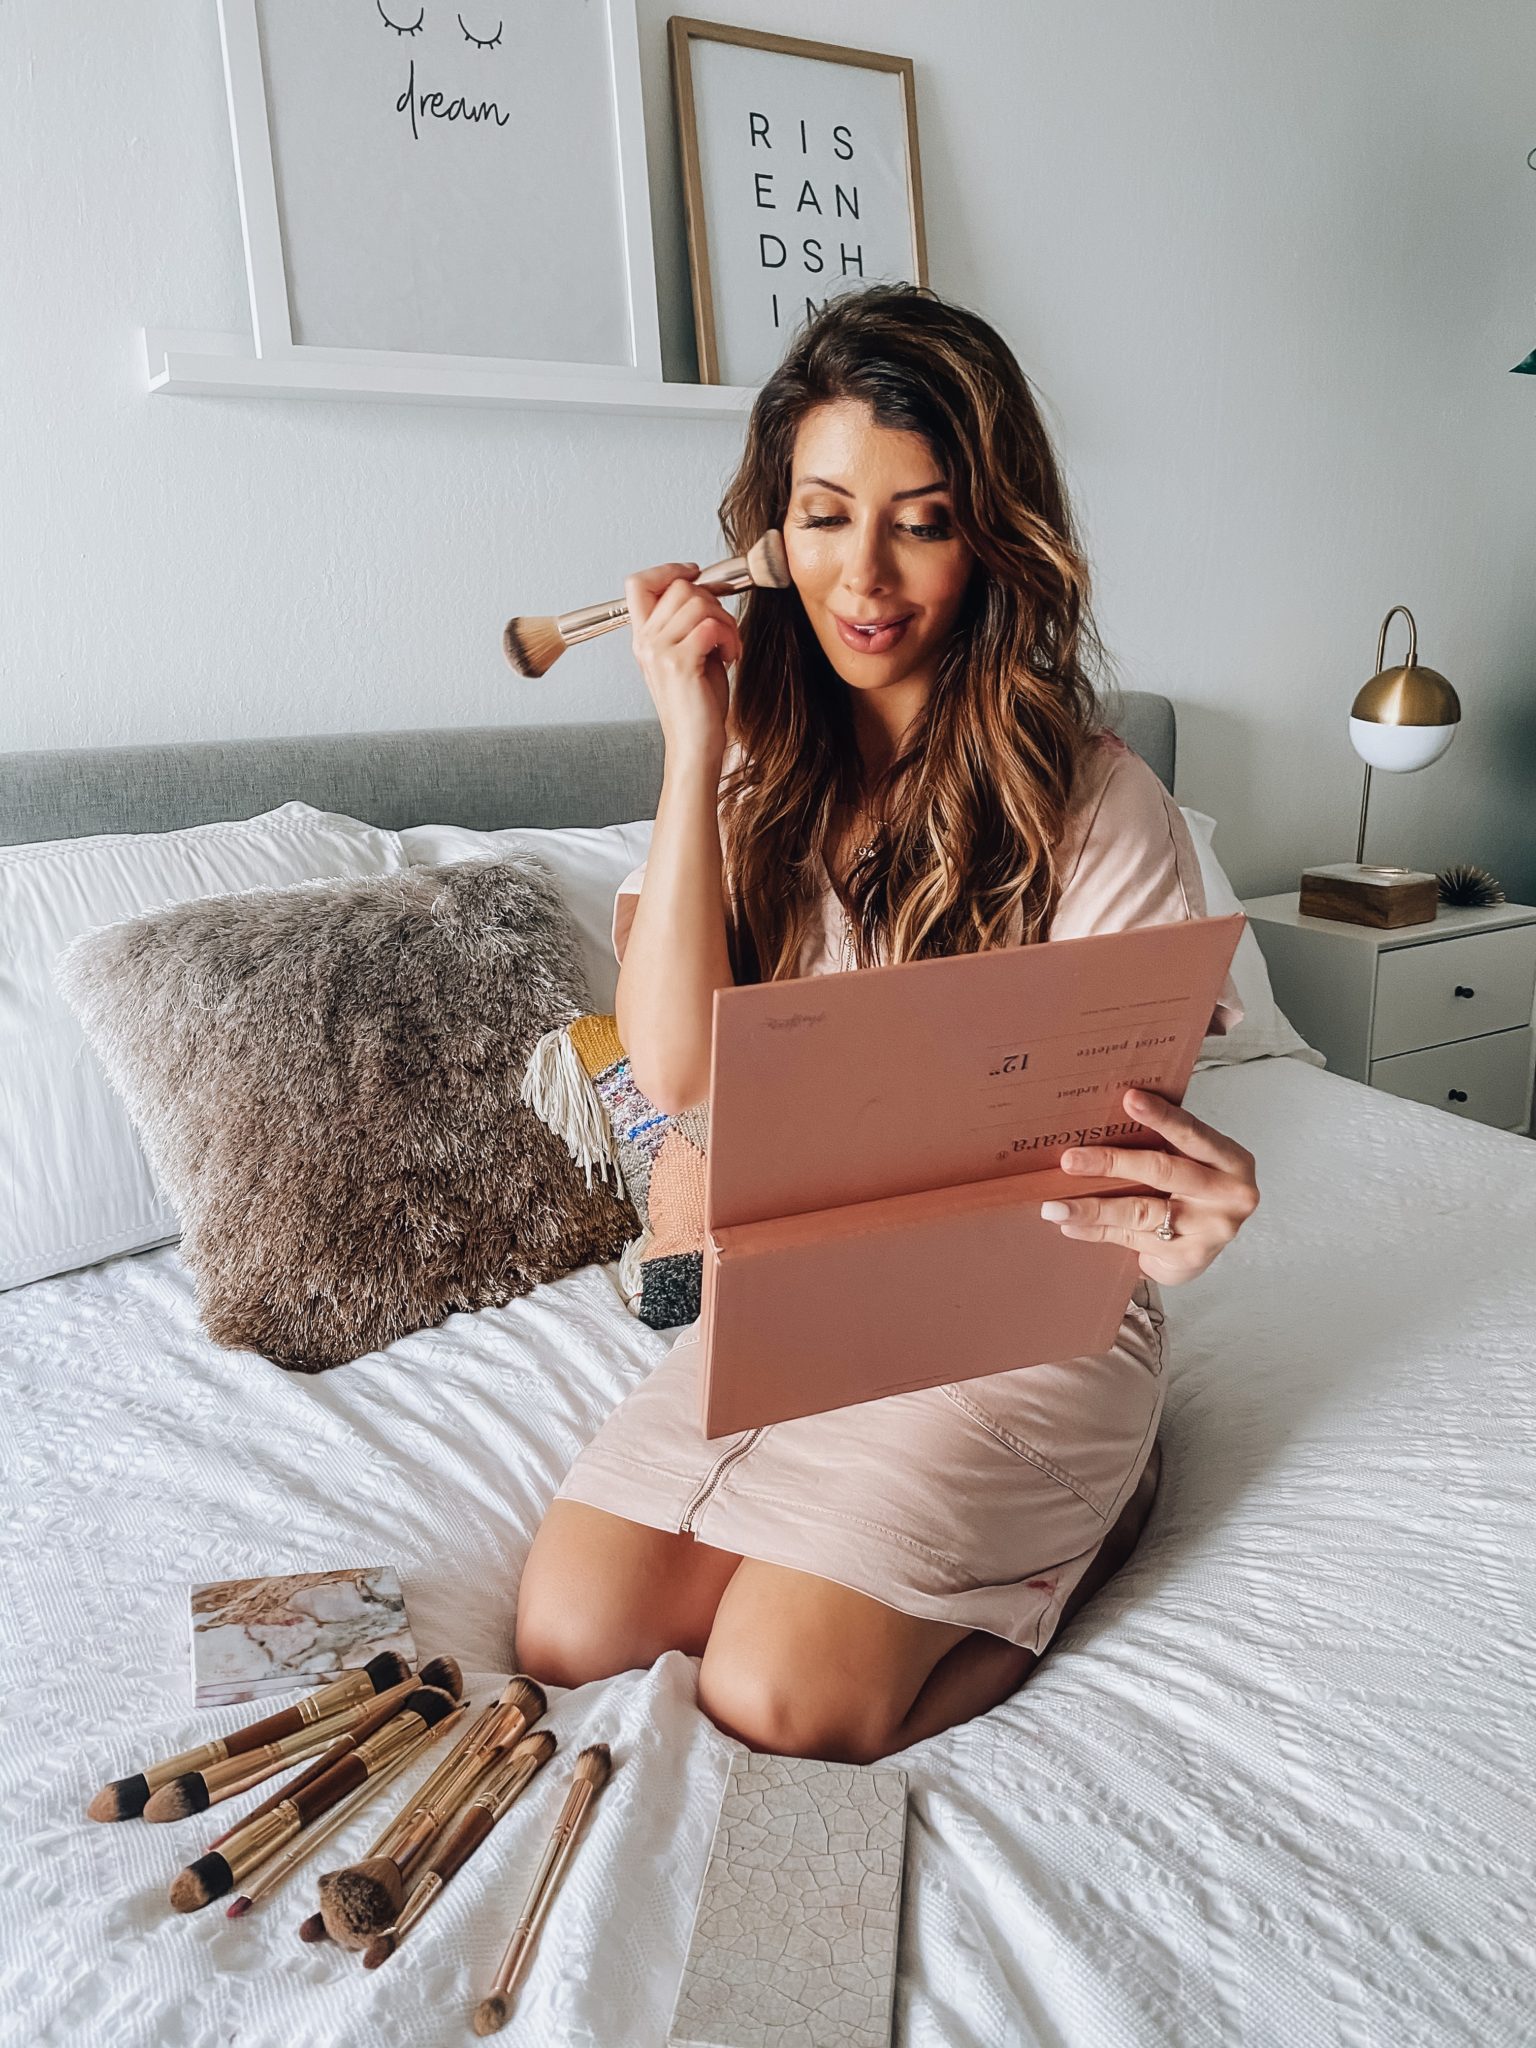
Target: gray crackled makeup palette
x=794, y=1939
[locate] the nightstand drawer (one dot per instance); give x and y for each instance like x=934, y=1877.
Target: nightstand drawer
x=1485, y=1078
x=1416, y=1000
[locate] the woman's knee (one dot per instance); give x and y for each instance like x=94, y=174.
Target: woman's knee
x=564, y=1632
x=778, y=1712
x=601, y=1594
x=565, y=1642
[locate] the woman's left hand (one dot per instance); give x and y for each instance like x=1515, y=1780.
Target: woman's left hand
x=1206, y=1183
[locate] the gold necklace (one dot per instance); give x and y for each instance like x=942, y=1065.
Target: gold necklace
x=869, y=845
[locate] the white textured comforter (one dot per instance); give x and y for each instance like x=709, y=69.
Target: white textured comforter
x=1273, y=1786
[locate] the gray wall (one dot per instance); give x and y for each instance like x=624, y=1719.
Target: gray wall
x=1268, y=267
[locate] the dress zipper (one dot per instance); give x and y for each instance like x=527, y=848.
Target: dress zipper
x=713, y=1476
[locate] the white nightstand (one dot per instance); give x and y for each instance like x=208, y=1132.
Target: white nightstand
x=1440, y=1012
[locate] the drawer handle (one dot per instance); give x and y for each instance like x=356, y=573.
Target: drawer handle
x=1466, y=991
x=1457, y=1095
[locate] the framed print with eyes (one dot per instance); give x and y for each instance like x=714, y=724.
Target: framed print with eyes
x=800, y=180
x=445, y=184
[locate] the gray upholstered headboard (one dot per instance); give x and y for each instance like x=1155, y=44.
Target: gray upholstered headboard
x=484, y=777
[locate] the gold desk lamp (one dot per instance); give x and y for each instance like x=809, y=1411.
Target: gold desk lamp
x=1401, y=720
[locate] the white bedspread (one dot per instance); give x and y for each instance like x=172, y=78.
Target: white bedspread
x=1273, y=1786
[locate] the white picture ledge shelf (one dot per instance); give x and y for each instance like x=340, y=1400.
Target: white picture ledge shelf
x=224, y=365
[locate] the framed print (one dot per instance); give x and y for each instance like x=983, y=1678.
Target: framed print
x=444, y=184
x=800, y=180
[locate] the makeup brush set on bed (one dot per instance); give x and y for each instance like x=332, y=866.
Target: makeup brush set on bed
x=355, y=1735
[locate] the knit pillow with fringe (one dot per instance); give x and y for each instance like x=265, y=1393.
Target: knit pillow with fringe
x=579, y=1082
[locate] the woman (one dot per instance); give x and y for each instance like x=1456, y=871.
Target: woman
x=855, y=1581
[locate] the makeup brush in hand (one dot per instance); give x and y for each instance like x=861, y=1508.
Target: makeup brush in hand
x=534, y=644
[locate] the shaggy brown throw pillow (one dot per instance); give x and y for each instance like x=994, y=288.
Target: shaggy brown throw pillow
x=326, y=1080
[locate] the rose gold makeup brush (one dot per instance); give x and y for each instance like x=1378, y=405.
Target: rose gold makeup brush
x=587, y=1780
x=361, y=1900
x=522, y=1702
x=126, y=1797
x=196, y=1791
x=314, y=1928
x=534, y=644
x=217, y=1872
x=282, y=1866
x=462, y=1838
x=441, y=1672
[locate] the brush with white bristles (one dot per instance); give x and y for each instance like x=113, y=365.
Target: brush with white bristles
x=534, y=644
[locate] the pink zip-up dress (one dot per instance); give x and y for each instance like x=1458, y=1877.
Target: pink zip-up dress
x=980, y=1503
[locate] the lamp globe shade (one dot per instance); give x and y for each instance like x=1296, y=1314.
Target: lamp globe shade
x=1399, y=749
x=1404, y=718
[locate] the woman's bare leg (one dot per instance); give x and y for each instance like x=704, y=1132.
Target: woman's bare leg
x=601, y=1594
x=984, y=1670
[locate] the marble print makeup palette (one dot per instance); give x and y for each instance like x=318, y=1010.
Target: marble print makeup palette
x=252, y=1637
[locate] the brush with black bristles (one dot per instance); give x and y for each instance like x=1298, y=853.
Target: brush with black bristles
x=308, y=1840
x=359, y=1901
x=217, y=1872
x=127, y=1797
x=441, y=1672
x=534, y=644
x=587, y=1779
x=458, y=1842
x=196, y=1791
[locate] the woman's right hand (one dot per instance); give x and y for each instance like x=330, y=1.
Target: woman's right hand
x=684, y=639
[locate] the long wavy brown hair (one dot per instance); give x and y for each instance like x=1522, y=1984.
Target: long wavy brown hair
x=977, y=793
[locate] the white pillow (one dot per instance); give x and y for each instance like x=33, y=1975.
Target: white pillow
x=591, y=861
x=588, y=861
x=1265, y=1032
x=75, y=1185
